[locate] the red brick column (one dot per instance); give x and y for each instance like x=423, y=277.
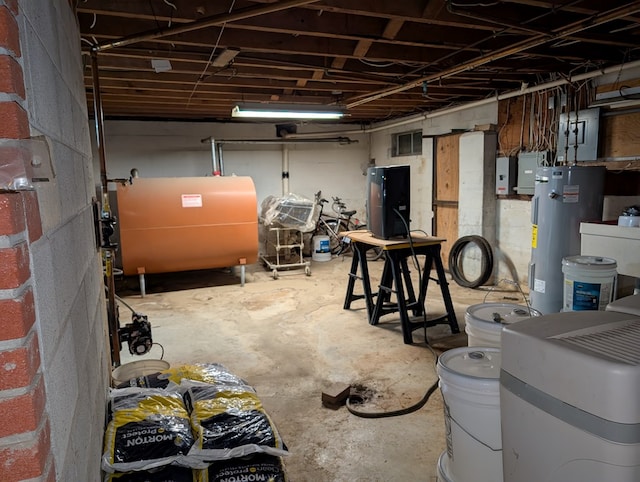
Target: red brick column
x=25, y=445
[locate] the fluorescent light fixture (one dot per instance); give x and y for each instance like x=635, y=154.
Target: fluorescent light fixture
x=225, y=57
x=617, y=99
x=286, y=111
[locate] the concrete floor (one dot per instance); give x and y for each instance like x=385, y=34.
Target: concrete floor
x=290, y=338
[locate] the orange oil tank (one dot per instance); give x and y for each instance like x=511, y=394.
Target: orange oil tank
x=187, y=223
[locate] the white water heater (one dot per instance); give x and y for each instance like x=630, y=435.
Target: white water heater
x=564, y=197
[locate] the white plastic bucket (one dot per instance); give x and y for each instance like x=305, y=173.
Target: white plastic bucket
x=484, y=322
x=470, y=386
x=589, y=282
x=135, y=369
x=443, y=468
x=321, y=248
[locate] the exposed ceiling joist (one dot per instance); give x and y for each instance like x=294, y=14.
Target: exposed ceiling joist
x=379, y=58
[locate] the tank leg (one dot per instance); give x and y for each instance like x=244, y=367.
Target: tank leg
x=143, y=291
x=242, y=274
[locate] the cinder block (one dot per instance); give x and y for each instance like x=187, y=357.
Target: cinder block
x=336, y=395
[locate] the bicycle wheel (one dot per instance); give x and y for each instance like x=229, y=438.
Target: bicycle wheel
x=374, y=253
x=333, y=228
x=329, y=228
x=345, y=245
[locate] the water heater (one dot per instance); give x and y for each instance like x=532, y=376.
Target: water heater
x=564, y=197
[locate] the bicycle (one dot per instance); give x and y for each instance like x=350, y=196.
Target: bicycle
x=334, y=226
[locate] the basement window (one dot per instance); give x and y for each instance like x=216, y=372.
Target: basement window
x=406, y=143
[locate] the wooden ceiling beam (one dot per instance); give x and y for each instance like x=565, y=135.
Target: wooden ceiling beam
x=577, y=8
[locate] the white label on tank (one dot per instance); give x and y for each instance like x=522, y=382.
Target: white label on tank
x=539, y=285
x=192, y=200
x=571, y=194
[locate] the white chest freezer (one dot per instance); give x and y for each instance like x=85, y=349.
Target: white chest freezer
x=570, y=398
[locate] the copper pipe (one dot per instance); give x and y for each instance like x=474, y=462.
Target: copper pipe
x=595, y=20
x=203, y=23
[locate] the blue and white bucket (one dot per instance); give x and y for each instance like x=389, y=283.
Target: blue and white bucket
x=589, y=282
x=321, y=248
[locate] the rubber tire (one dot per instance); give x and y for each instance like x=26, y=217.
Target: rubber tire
x=455, y=263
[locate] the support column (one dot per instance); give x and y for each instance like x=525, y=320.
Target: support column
x=25, y=445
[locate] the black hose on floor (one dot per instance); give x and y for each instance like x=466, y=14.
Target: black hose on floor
x=393, y=413
x=455, y=261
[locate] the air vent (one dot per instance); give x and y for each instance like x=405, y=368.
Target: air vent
x=620, y=343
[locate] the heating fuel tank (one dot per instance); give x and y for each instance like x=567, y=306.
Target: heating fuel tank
x=187, y=223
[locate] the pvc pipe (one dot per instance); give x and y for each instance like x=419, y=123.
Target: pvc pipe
x=220, y=159
x=143, y=286
x=471, y=105
x=573, y=28
x=215, y=169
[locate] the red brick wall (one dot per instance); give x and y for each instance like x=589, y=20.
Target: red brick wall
x=25, y=445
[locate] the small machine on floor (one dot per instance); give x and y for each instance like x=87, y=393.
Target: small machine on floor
x=569, y=388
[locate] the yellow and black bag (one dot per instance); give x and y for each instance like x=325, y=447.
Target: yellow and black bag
x=147, y=428
x=255, y=467
x=229, y=421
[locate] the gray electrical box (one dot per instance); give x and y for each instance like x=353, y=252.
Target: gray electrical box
x=578, y=136
x=528, y=163
x=505, y=175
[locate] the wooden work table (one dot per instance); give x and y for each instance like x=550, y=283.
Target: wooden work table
x=396, y=280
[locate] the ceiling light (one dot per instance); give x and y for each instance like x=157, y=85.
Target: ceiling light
x=161, y=65
x=286, y=111
x=225, y=57
x=617, y=99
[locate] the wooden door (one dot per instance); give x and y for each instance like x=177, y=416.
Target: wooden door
x=445, y=191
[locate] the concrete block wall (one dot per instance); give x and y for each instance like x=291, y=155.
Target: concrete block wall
x=54, y=360
x=506, y=224
x=477, y=198
x=422, y=166
x=174, y=149
x=514, y=235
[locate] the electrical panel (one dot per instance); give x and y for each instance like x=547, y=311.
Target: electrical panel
x=578, y=136
x=528, y=163
x=505, y=175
